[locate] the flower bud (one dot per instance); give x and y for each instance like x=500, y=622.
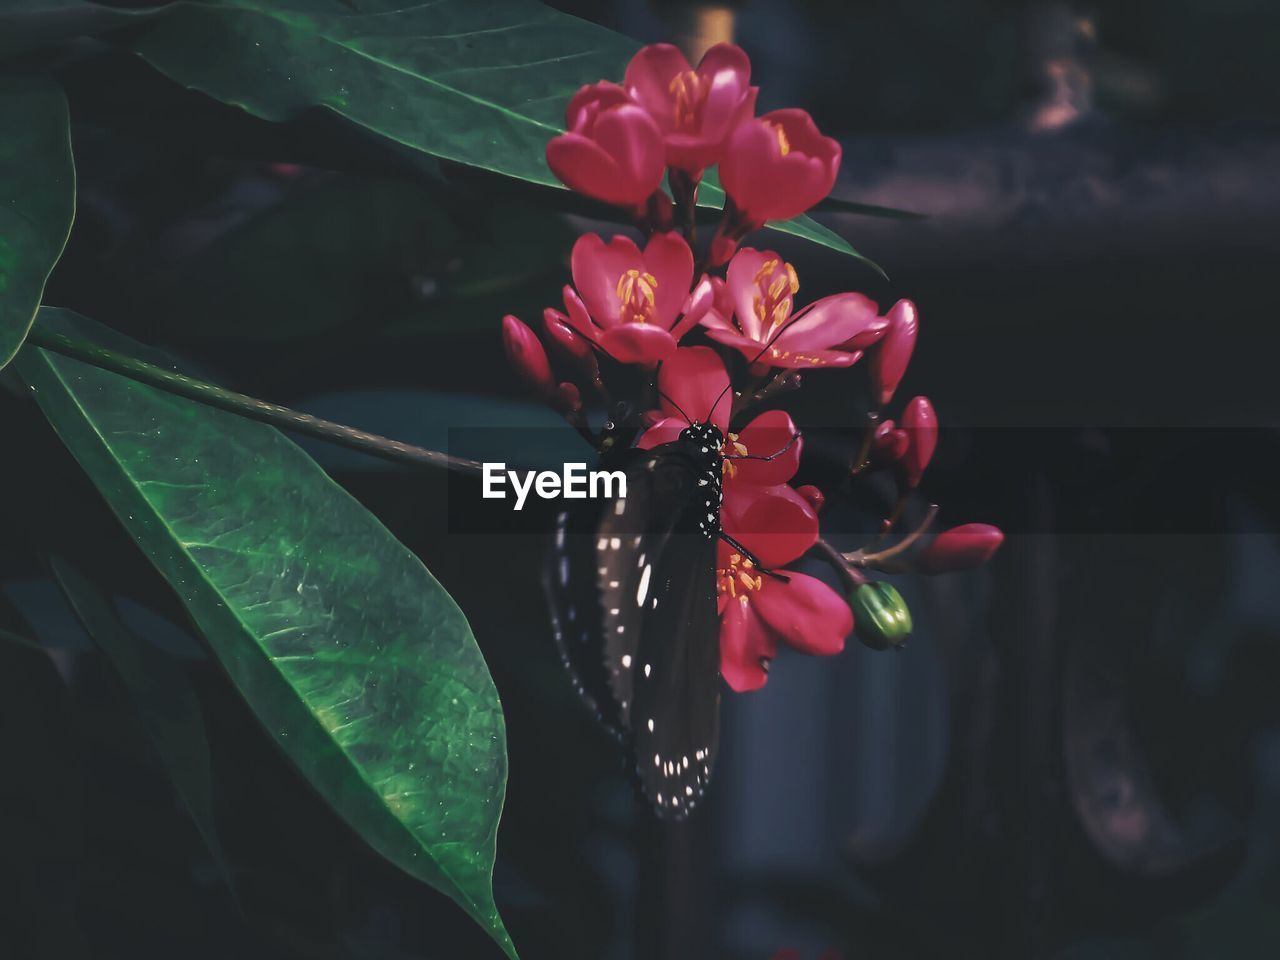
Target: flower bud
x=722, y=250
x=527, y=357
x=817, y=499
x=960, y=548
x=888, y=444
x=567, y=399
x=892, y=354
x=574, y=347
x=921, y=425
x=880, y=615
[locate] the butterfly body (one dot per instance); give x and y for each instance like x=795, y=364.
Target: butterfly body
x=638, y=627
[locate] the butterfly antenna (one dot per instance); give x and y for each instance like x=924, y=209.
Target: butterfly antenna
x=763, y=351
x=658, y=370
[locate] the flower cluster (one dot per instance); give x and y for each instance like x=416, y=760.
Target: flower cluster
x=659, y=329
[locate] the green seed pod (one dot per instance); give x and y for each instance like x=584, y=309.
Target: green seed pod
x=880, y=615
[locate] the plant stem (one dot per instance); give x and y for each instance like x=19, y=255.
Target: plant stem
x=862, y=559
x=246, y=406
x=849, y=576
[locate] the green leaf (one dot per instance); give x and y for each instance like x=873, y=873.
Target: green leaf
x=350, y=653
x=26, y=24
x=839, y=205
x=482, y=84
x=164, y=696
x=37, y=200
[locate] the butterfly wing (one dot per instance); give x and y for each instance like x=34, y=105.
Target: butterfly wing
x=661, y=631
x=569, y=582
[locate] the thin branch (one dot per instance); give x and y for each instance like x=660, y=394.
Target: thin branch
x=782, y=381
x=877, y=558
x=250, y=407
x=849, y=576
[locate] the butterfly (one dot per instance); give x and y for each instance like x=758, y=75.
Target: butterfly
x=632, y=595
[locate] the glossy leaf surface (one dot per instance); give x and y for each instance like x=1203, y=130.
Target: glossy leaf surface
x=350, y=653
x=37, y=200
x=482, y=84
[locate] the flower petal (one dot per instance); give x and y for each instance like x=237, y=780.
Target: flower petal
x=768, y=434
x=693, y=379
x=806, y=613
x=740, y=279
x=697, y=306
x=774, y=523
x=648, y=79
x=576, y=315
x=638, y=343
x=665, y=430
x=596, y=268
x=667, y=256
x=744, y=642
x=830, y=321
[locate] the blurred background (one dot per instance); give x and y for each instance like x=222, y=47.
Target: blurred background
x=1078, y=754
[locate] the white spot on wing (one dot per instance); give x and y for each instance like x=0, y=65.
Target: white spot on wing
x=642, y=591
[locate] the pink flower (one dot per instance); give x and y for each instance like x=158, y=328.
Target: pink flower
x=777, y=166
x=960, y=548
x=691, y=381
x=757, y=611
x=613, y=150
x=761, y=287
x=776, y=523
x=696, y=110
x=635, y=306
x=889, y=359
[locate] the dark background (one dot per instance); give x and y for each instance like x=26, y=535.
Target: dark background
x=1077, y=756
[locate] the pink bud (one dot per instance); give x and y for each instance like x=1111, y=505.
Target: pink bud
x=921, y=425
x=572, y=346
x=892, y=354
x=567, y=399
x=888, y=444
x=722, y=250
x=960, y=548
x=527, y=357
x=817, y=499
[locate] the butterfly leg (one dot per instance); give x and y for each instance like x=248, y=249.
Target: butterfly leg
x=771, y=456
x=752, y=557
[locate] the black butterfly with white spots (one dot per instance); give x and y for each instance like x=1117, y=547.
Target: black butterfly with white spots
x=632, y=593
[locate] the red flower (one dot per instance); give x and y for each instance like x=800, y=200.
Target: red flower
x=892, y=354
x=631, y=301
x=960, y=548
x=696, y=110
x=761, y=287
x=613, y=150
x=757, y=611
x=776, y=523
x=777, y=166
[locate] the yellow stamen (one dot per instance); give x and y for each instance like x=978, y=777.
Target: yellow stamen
x=689, y=93
x=737, y=580
x=636, y=295
x=783, y=144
